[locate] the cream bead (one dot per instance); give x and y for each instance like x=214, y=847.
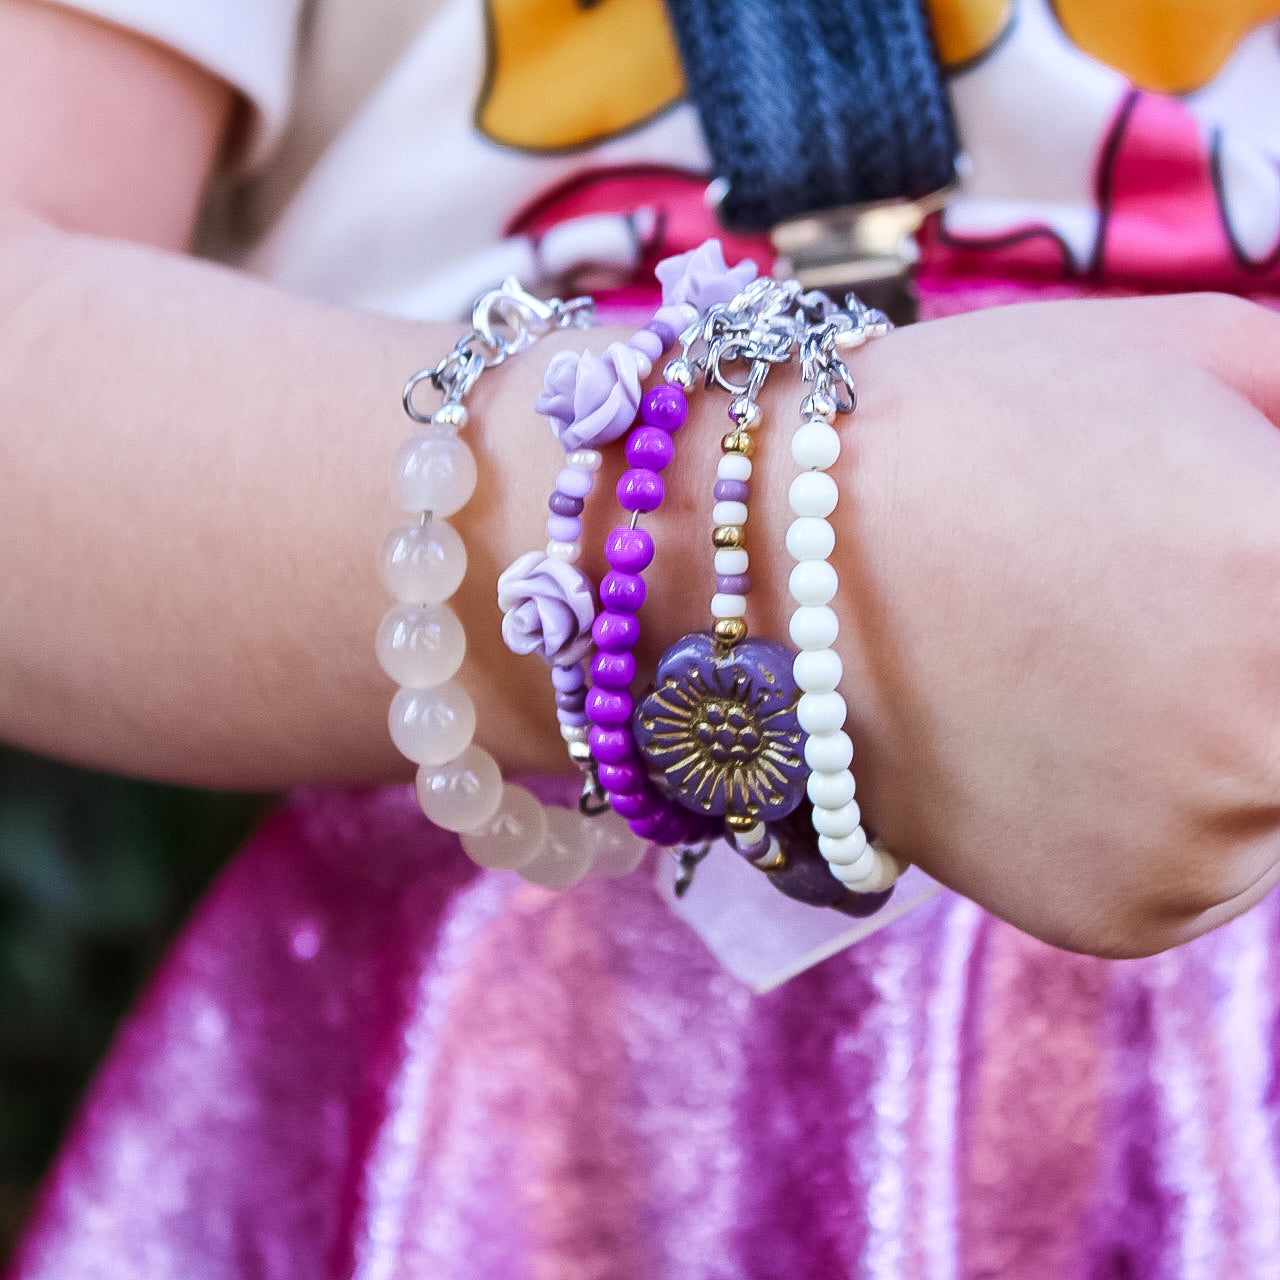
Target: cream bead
x=838, y=823
x=584, y=459
x=515, y=835
x=464, y=793
x=729, y=513
x=725, y=604
x=732, y=560
x=821, y=712
x=881, y=873
x=810, y=538
x=813, y=493
x=615, y=850
x=420, y=646
x=830, y=790
x=814, y=626
x=817, y=670
x=569, y=552
x=566, y=856
x=425, y=563
x=828, y=752
x=434, y=472
x=844, y=850
x=813, y=582
x=431, y=726
x=815, y=444
x=733, y=466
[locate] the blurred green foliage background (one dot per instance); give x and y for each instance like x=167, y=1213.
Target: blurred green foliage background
x=96, y=875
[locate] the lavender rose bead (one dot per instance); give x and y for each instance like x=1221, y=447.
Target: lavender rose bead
x=547, y=607
x=591, y=400
x=701, y=277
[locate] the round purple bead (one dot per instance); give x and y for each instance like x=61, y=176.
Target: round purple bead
x=572, y=700
x=629, y=550
x=578, y=719
x=664, y=406
x=651, y=822
x=650, y=447
x=640, y=489
x=610, y=746
x=623, y=592
x=561, y=504
x=609, y=709
x=734, y=584
x=613, y=670
x=620, y=778
x=727, y=491
x=615, y=632
x=631, y=804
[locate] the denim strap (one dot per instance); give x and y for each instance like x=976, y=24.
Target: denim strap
x=814, y=104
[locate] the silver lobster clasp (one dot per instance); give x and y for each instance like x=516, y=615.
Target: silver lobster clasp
x=509, y=318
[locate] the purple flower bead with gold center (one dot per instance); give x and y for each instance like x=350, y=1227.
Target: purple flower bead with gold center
x=721, y=726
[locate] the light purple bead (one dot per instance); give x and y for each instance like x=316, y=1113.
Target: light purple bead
x=640, y=489
x=629, y=550
x=733, y=584
x=610, y=746
x=620, y=778
x=647, y=343
x=650, y=447
x=562, y=504
x=615, y=632
x=572, y=700
x=566, y=679
x=608, y=708
x=613, y=670
x=665, y=332
x=728, y=491
x=574, y=482
x=623, y=592
x=564, y=528
x=665, y=407
x=577, y=719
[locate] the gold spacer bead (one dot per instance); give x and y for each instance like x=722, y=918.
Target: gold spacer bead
x=739, y=442
x=739, y=822
x=727, y=535
x=730, y=630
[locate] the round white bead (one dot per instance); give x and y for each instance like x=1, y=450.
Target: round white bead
x=584, y=459
x=729, y=513
x=878, y=875
x=828, y=752
x=830, y=790
x=846, y=850
x=573, y=733
x=821, y=712
x=727, y=605
x=810, y=538
x=434, y=472
x=462, y=794
x=516, y=834
x=813, y=493
x=856, y=872
x=420, y=646
x=813, y=582
x=567, y=855
x=814, y=626
x=732, y=560
x=424, y=564
x=752, y=842
x=815, y=444
x=733, y=466
x=430, y=726
x=569, y=552
x=817, y=670
x=837, y=823
x=615, y=849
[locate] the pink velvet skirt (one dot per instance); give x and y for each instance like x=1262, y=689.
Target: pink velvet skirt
x=367, y=1059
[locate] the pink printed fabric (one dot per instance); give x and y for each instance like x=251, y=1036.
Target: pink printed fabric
x=367, y=1059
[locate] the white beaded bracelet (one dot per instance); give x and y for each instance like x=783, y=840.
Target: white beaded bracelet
x=421, y=642
x=862, y=866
